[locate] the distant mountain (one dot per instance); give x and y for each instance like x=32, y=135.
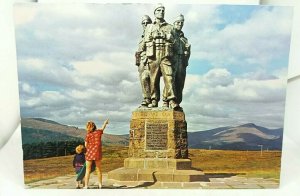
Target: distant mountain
x=31, y=135
x=36, y=130
x=244, y=137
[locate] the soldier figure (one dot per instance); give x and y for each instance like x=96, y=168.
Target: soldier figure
x=143, y=68
x=158, y=45
x=182, y=51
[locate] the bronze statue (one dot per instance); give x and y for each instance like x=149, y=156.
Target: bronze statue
x=143, y=68
x=158, y=45
x=182, y=51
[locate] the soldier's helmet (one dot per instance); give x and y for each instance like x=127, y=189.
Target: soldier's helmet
x=159, y=6
x=179, y=18
x=147, y=19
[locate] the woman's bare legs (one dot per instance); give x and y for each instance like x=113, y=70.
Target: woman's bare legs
x=87, y=172
x=99, y=172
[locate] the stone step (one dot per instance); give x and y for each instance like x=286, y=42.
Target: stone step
x=158, y=163
x=153, y=175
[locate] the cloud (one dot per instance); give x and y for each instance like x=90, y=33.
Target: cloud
x=45, y=73
x=220, y=96
x=52, y=99
x=216, y=77
x=94, y=89
x=220, y=84
x=26, y=88
x=79, y=33
x=261, y=39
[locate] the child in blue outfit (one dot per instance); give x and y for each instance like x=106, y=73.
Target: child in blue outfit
x=78, y=161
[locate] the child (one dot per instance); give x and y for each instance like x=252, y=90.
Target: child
x=78, y=161
x=93, y=150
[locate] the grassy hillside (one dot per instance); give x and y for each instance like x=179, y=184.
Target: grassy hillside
x=250, y=163
x=44, y=124
x=37, y=130
x=30, y=135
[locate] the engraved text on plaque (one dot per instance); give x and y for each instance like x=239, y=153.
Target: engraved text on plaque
x=156, y=136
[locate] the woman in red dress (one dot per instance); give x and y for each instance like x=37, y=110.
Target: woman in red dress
x=93, y=150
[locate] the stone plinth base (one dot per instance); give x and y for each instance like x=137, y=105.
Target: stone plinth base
x=157, y=163
x=158, y=133
x=157, y=169
x=153, y=175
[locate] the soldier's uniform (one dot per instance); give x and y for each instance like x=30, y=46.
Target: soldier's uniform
x=181, y=57
x=158, y=43
x=143, y=68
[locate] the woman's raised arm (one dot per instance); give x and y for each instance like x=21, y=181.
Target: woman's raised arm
x=104, y=124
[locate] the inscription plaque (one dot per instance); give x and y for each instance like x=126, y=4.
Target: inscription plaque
x=156, y=136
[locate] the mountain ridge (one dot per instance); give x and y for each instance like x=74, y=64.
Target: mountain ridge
x=248, y=136
x=41, y=125
x=243, y=137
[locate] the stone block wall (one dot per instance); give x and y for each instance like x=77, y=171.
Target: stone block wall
x=158, y=133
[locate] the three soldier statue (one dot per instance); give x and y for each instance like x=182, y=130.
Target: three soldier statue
x=163, y=51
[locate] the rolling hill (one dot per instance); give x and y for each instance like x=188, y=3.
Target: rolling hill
x=244, y=137
x=36, y=130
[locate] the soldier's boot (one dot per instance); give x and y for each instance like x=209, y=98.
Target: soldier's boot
x=153, y=104
x=165, y=104
x=145, y=102
x=174, y=105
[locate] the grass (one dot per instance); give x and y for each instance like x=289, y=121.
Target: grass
x=46, y=168
x=249, y=163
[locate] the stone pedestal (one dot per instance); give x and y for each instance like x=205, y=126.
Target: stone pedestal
x=157, y=163
x=158, y=149
x=158, y=133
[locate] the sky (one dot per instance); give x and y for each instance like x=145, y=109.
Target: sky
x=76, y=63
